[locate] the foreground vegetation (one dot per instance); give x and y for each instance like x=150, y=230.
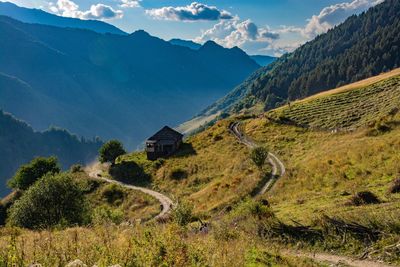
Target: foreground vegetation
x=340, y=195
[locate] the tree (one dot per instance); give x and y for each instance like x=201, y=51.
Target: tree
x=31, y=172
x=258, y=156
x=110, y=151
x=55, y=199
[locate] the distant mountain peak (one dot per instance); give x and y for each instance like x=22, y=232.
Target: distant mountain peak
x=38, y=16
x=141, y=33
x=211, y=43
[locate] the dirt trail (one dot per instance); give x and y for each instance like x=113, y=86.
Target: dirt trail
x=95, y=170
x=278, y=168
x=337, y=260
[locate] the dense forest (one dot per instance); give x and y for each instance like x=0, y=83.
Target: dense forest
x=19, y=144
x=362, y=46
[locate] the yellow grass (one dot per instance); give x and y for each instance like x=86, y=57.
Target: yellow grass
x=352, y=86
x=322, y=168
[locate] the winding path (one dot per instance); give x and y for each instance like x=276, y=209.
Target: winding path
x=94, y=171
x=278, y=168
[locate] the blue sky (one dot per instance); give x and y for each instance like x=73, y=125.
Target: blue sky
x=269, y=27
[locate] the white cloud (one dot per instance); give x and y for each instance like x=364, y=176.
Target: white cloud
x=238, y=33
x=193, y=12
x=334, y=15
x=68, y=8
x=242, y=33
x=130, y=3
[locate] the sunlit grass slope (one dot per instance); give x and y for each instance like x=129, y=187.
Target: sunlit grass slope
x=325, y=168
x=349, y=107
x=212, y=170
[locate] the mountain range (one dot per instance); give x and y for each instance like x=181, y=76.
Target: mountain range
x=110, y=85
x=38, y=16
x=259, y=59
x=19, y=144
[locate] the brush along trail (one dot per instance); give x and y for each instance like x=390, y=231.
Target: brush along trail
x=95, y=171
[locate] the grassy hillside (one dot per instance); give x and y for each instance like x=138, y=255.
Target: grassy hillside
x=348, y=107
x=310, y=208
x=127, y=205
x=212, y=170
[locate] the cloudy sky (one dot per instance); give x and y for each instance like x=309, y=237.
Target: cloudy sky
x=268, y=27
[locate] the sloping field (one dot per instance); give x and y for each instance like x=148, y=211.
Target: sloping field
x=349, y=107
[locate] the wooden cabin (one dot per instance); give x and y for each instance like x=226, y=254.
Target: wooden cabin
x=163, y=144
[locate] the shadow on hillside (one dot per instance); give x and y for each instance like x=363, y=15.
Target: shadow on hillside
x=266, y=177
x=394, y=123
x=131, y=173
x=185, y=150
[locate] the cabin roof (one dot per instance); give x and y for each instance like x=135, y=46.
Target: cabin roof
x=166, y=133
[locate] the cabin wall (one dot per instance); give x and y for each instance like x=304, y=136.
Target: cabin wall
x=161, y=151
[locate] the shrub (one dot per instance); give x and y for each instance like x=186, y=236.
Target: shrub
x=52, y=200
x=6, y=203
x=158, y=163
x=89, y=185
x=259, y=155
x=178, y=174
x=76, y=168
x=105, y=214
x=378, y=128
x=110, y=151
x=218, y=137
x=182, y=213
x=364, y=198
x=31, y=172
x=130, y=172
x=223, y=232
x=113, y=193
x=395, y=187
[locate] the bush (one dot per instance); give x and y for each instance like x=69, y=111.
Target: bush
x=178, y=174
x=76, y=168
x=89, y=185
x=31, y=172
x=130, y=172
x=6, y=203
x=182, y=214
x=105, y=214
x=110, y=151
x=113, y=193
x=364, y=198
x=395, y=187
x=378, y=128
x=52, y=200
x=259, y=155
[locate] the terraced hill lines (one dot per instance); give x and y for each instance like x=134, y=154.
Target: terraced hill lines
x=344, y=109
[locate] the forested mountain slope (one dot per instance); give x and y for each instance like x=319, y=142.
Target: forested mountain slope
x=19, y=144
x=112, y=86
x=362, y=46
